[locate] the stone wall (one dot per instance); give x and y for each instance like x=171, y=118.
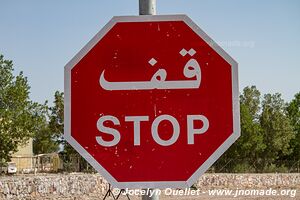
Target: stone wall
x=244, y=181
x=55, y=186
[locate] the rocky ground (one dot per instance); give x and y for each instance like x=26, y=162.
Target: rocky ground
x=93, y=186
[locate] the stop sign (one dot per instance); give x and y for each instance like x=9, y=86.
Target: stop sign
x=151, y=102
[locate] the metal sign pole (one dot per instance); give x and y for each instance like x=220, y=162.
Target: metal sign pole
x=148, y=7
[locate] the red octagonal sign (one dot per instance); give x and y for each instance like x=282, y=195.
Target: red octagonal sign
x=151, y=102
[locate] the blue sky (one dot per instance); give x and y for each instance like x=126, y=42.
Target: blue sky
x=263, y=36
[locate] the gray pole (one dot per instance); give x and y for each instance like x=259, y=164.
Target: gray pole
x=148, y=7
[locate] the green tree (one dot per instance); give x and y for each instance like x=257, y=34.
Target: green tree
x=277, y=129
x=17, y=111
x=57, y=123
x=242, y=155
x=293, y=110
x=57, y=116
x=44, y=140
x=251, y=143
x=57, y=127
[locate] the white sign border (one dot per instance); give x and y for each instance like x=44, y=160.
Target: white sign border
x=157, y=184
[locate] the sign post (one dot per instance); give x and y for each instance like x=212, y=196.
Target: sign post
x=151, y=101
x=148, y=7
